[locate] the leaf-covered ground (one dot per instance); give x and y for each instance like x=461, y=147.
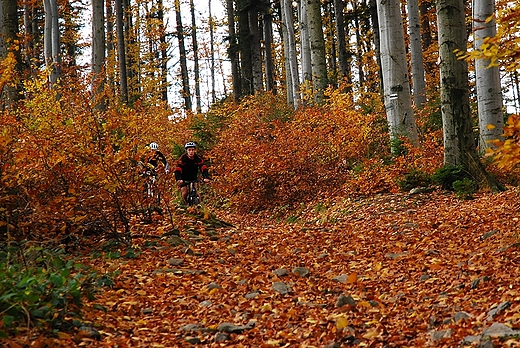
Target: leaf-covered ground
x=386, y=271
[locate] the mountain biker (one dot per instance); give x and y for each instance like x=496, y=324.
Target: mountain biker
x=187, y=168
x=154, y=158
x=153, y=161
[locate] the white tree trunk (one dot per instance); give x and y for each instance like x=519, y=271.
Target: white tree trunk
x=489, y=94
x=52, y=39
x=414, y=28
x=293, y=80
x=317, y=41
x=398, y=102
x=305, y=46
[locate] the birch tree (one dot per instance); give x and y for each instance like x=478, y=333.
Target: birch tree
x=121, y=51
x=98, y=49
x=196, y=54
x=396, y=85
x=52, y=40
x=305, y=46
x=317, y=44
x=489, y=94
x=459, y=142
x=417, y=62
x=291, y=62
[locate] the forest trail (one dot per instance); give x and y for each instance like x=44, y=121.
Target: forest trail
x=392, y=270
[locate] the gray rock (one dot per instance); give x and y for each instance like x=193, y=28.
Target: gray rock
x=206, y=303
x=301, y=271
x=91, y=332
x=221, y=337
x=461, y=316
x=345, y=300
x=192, y=340
x=280, y=272
x=489, y=234
x=212, y=286
x=281, y=288
x=486, y=344
x=439, y=335
x=232, y=328
x=175, y=262
x=496, y=310
x=147, y=311
x=499, y=330
x=251, y=295
x=341, y=278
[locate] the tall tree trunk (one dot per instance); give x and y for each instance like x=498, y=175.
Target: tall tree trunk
x=291, y=62
x=396, y=83
x=414, y=27
x=233, y=52
x=359, y=42
x=121, y=52
x=196, y=52
x=164, y=52
x=244, y=43
x=305, y=45
x=489, y=94
x=98, y=52
x=212, y=54
x=183, y=61
x=52, y=40
x=343, y=52
x=9, y=88
x=317, y=41
x=459, y=141
x=268, y=42
x=256, y=50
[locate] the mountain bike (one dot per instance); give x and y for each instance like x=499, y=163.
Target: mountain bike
x=193, y=197
x=150, y=188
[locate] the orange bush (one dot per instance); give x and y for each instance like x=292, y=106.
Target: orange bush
x=66, y=168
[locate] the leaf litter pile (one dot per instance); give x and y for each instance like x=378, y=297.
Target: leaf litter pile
x=386, y=271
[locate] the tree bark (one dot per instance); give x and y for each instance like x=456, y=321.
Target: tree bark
x=52, y=40
x=183, y=61
x=9, y=33
x=344, y=54
x=317, y=42
x=396, y=83
x=305, y=46
x=459, y=141
x=291, y=62
x=121, y=52
x=98, y=51
x=233, y=52
x=489, y=93
x=414, y=28
x=196, y=55
x=256, y=50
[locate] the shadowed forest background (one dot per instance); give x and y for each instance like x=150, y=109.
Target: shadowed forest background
x=364, y=160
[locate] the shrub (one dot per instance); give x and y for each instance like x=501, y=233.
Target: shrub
x=40, y=287
x=465, y=188
x=414, y=178
x=448, y=174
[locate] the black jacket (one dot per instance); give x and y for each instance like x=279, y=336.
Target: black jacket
x=188, y=168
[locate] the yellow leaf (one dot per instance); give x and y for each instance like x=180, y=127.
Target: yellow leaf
x=371, y=334
x=141, y=292
x=63, y=336
x=311, y=320
x=342, y=323
x=491, y=126
x=378, y=266
x=364, y=304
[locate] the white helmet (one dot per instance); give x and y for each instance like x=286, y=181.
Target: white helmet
x=190, y=144
x=154, y=146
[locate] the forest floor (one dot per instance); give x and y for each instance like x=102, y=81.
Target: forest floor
x=394, y=270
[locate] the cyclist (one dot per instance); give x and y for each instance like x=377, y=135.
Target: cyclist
x=187, y=169
x=153, y=158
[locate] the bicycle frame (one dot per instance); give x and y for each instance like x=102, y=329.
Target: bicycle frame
x=193, y=197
